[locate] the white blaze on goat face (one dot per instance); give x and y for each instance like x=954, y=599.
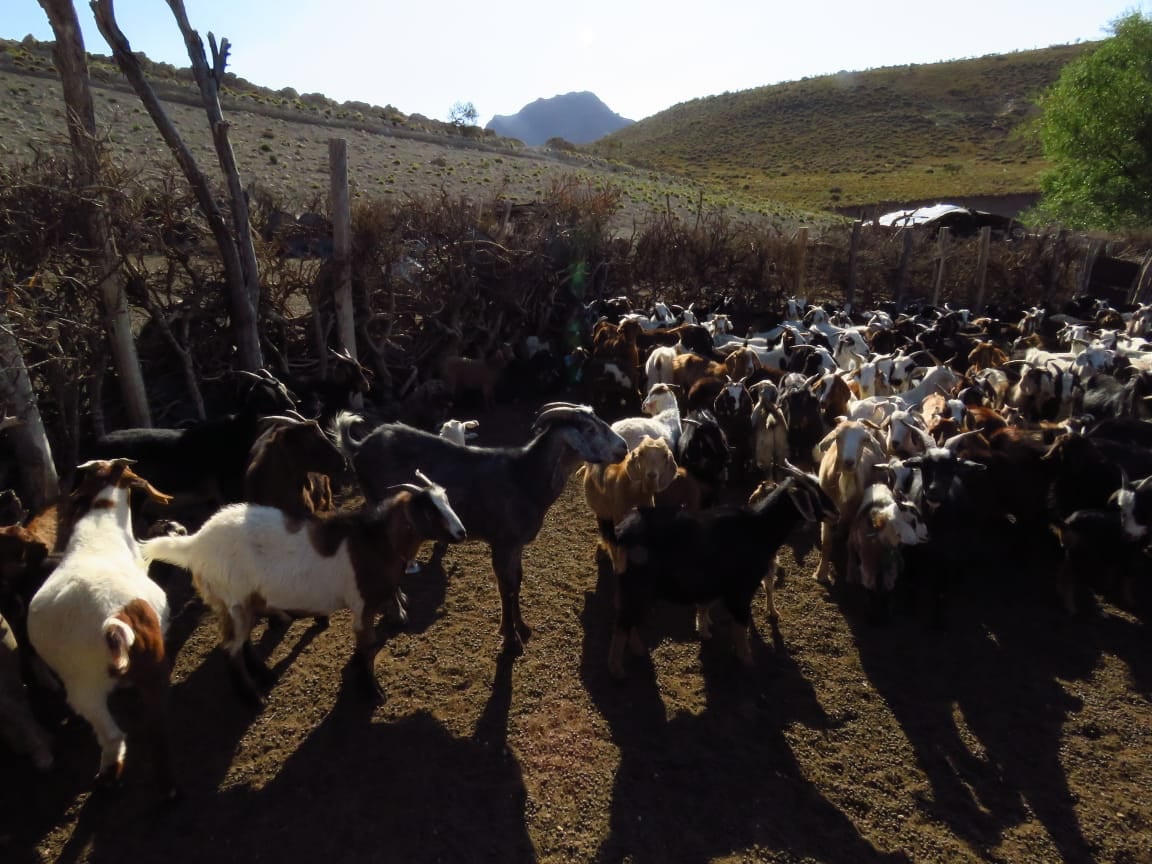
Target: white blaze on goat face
x=451, y=520
x=735, y=391
x=659, y=399
x=1126, y=498
x=617, y=375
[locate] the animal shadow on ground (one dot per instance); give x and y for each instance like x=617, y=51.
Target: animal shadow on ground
x=700, y=787
x=988, y=676
x=355, y=790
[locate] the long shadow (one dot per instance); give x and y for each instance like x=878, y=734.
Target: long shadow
x=697, y=787
x=356, y=790
x=980, y=704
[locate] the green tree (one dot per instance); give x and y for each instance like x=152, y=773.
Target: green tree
x=1095, y=128
x=463, y=114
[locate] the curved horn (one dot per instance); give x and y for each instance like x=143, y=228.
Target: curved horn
x=955, y=441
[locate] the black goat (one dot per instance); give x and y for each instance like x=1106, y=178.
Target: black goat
x=952, y=517
x=1106, y=397
x=500, y=493
x=718, y=554
x=704, y=453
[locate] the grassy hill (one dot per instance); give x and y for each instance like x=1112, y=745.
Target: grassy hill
x=280, y=139
x=901, y=132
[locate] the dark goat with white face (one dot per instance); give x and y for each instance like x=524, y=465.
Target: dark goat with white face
x=501, y=493
x=1114, y=539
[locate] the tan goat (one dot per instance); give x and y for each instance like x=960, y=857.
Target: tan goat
x=612, y=491
x=848, y=453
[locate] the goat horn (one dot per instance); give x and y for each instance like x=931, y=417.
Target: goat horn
x=431, y=484
x=956, y=440
x=408, y=487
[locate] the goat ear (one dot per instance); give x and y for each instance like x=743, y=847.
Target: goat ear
x=138, y=482
x=826, y=441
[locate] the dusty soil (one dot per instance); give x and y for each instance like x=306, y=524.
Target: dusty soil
x=1015, y=733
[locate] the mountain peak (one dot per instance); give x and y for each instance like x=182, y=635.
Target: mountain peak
x=578, y=117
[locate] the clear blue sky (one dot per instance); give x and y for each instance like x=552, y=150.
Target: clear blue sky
x=639, y=57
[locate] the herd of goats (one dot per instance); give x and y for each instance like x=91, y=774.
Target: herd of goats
x=920, y=446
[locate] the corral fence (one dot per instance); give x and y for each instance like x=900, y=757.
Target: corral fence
x=434, y=274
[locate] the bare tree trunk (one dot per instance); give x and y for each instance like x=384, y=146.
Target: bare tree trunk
x=341, y=209
x=72, y=66
x=239, y=269
x=33, y=452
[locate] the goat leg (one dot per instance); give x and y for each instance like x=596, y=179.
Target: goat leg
x=506, y=562
x=155, y=698
x=240, y=666
x=367, y=647
x=703, y=621
x=620, y=635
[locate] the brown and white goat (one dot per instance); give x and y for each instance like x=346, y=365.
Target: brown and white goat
x=99, y=622
x=282, y=462
x=249, y=559
x=881, y=527
x=848, y=453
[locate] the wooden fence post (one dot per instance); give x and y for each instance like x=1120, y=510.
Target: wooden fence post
x=982, y=267
x=902, y=270
x=801, y=261
x=850, y=298
x=1143, y=281
x=1084, y=283
x=339, y=204
x=942, y=238
x=1054, y=267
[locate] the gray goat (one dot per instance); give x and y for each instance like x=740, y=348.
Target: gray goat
x=500, y=493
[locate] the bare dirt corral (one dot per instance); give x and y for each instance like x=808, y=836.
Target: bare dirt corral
x=1013, y=734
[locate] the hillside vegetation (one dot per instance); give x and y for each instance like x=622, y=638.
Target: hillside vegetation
x=897, y=133
x=280, y=139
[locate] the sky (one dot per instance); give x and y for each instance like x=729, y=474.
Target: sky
x=638, y=57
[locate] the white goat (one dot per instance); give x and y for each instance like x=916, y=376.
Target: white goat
x=658, y=367
x=99, y=621
x=663, y=421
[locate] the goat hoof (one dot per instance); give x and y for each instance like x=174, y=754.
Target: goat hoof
x=512, y=646
x=108, y=781
x=320, y=622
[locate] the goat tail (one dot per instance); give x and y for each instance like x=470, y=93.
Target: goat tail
x=176, y=550
x=119, y=637
x=341, y=433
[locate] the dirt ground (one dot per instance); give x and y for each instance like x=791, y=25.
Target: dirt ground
x=1015, y=733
